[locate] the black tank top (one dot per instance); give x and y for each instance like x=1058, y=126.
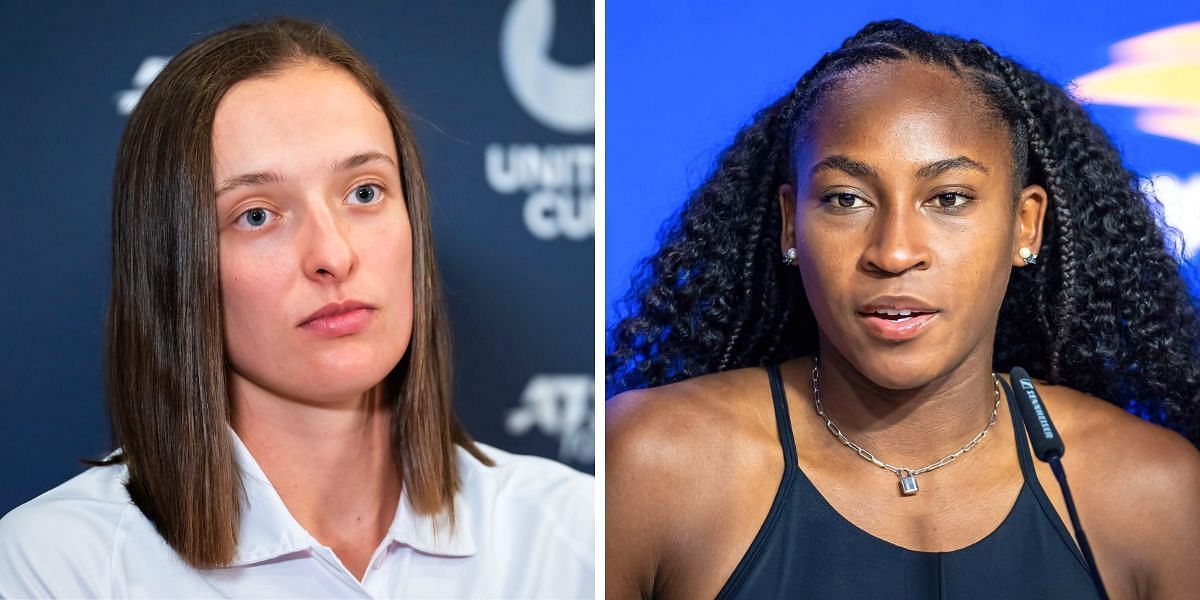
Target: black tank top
x=805, y=549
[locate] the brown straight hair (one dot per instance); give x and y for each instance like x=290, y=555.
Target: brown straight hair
x=165, y=358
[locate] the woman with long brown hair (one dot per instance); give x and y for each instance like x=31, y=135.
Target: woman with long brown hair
x=278, y=364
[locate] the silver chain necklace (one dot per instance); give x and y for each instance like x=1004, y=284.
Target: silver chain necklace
x=908, y=477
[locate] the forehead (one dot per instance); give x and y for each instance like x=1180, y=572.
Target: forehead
x=904, y=112
x=296, y=121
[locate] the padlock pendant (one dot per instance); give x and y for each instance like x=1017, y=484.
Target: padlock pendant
x=908, y=483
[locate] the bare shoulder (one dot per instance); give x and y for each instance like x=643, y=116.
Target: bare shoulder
x=709, y=420
x=681, y=461
x=1110, y=439
x=1139, y=485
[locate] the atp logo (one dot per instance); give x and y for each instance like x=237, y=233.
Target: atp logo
x=1158, y=73
x=559, y=405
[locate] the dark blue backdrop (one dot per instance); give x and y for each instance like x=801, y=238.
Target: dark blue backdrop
x=515, y=238
x=682, y=77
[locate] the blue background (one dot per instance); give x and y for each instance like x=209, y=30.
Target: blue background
x=520, y=306
x=682, y=78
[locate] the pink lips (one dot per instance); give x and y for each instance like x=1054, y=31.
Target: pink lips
x=897, y=331
x=339, y=319
x=897, y=318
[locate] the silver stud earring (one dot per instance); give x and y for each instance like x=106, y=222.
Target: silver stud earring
x=1027, y=255
x=789, y=257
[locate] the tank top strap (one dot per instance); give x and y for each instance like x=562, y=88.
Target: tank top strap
x=783, y=420
x=776, y=522
x=1025, y=457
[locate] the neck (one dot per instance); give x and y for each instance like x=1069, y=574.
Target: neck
x=908, y=427
x=331, y=462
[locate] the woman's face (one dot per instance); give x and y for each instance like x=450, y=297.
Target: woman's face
x=312, y=221
x=904, y=202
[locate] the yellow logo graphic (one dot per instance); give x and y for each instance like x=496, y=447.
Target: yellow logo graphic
x=1157, y=73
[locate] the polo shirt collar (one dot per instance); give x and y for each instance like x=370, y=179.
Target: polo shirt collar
x=267, y=530
x=433, y=534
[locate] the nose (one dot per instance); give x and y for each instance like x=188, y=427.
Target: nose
x=328, y=249
x=897, y=242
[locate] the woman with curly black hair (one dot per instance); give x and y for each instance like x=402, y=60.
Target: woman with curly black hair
x=916, y=218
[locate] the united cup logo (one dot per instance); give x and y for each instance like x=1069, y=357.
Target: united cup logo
x=557, y=180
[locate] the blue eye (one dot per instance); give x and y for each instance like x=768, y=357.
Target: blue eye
x=366, y=194
x=255, y=217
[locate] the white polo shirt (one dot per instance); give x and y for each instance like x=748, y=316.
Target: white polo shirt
x=524, y=529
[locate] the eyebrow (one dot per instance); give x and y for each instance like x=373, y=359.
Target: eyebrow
x=269, y=177
x=856, y=168
x=958, y=163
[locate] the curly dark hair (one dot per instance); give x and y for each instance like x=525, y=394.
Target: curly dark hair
x=1105, y=311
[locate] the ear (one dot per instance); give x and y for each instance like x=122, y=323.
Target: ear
x=787, y=214
x=1031, y=214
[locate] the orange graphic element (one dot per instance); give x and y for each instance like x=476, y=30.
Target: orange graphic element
x=1158, y=73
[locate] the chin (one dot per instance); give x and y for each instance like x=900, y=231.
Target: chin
x=900, y=368
x=349, y=371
